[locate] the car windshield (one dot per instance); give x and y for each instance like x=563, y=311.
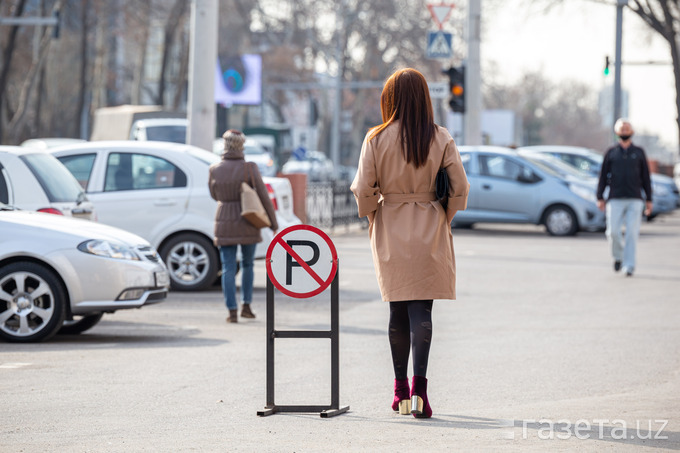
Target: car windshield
x=57, y=182
x=176, y=134
x=544, y=167
x=559, y=166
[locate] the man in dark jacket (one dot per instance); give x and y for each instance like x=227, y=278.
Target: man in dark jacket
x=626, y=172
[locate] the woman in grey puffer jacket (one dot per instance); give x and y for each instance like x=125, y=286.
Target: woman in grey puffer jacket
x=231, y=230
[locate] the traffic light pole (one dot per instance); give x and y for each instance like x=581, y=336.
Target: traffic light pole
x=617, y=63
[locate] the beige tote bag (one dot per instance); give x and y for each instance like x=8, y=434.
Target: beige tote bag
x=251, y=207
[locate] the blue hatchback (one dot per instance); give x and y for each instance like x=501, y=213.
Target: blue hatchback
x=505, y=187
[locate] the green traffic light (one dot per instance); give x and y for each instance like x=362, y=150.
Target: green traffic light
x=606, y=65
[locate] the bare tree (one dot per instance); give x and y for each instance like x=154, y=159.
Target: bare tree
x=662, y=16
x=561, y=113
x=177, y=12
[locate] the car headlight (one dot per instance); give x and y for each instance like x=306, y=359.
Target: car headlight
x=108, y=249
x=660, y=190
x=583, y=192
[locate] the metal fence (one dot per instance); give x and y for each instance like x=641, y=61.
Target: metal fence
x=330, y=204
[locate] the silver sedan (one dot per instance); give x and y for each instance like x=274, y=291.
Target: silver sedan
x=59, y=274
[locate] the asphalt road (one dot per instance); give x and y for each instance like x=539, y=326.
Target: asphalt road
x=546, y=349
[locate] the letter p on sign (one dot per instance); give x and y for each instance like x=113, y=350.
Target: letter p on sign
x=301, y=261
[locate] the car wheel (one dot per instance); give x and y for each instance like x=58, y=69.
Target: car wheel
x=191, y=260
x=80, y=324
x=561, y=221
x=32, y=302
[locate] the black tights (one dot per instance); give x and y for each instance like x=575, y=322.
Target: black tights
x=410, y=325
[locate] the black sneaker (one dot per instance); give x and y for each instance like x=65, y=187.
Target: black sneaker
x=617, y=266
x=629, y=273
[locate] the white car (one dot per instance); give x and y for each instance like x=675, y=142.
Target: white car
x=159, y=190
x=160, y=129
x=59, y=274
x=49, y=142
x=33, y=180
x=315, y=164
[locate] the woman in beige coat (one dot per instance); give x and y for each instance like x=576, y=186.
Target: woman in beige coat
x=410, y=232
x=231, y=230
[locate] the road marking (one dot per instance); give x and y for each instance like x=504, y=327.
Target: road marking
x=13, y=365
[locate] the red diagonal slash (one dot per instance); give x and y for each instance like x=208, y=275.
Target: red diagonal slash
x=300, y=261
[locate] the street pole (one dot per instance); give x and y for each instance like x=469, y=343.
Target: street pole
x=337, y=104
x=473, y=93
x=617, y=63
x=202, y=60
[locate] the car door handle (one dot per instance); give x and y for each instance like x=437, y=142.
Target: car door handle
x=164, y=202
x=486, y=186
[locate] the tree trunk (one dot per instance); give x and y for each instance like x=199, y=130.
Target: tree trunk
x=170, y=30
x=7, y=54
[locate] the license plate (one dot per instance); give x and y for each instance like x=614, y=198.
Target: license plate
x=285, y=202
x=162, y=279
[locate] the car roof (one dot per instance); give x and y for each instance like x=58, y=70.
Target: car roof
x=21, y=150
x=49, y=142
x=560, y=149
x=132, y=145
x=162, y=122
x=488, y=149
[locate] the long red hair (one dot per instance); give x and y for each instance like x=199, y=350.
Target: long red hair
x=406, y=98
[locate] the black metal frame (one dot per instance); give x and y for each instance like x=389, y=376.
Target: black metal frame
x=325, y=411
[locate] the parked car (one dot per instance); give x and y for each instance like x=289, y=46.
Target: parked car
x=59, y=274
x=506, y=187
x=51, y=142
x=253, y=151
x=665, y=193
x=160, y=129
x=159, y=190
x=315, y=164
x=33, y=180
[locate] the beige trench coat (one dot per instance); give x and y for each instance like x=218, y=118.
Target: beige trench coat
x=410, y=233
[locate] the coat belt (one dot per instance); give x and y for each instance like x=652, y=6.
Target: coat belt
x=421, y=197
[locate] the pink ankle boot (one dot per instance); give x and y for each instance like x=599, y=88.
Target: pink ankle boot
x=420, y=406
x=401, y=402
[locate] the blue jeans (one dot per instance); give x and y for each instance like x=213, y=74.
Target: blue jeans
x=228, y=258
x=624, y=212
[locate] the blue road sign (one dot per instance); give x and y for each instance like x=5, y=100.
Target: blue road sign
x=439, y=44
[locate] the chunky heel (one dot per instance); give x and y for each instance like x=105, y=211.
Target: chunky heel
x=404, y=407
x=420, y=406
x=401, y=402
x=416, y=405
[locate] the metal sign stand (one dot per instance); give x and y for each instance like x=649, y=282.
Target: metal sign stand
x=334, y=334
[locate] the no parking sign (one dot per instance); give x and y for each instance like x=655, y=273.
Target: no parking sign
x=301, y=261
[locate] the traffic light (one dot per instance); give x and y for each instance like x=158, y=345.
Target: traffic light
x=457, y=88
x=606, y=65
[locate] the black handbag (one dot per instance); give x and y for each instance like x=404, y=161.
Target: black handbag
x=442, y=187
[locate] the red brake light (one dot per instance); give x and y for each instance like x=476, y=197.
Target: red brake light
x=272, y=196
x=51, y=211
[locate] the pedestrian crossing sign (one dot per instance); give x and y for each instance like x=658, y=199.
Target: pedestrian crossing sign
x=439, y=44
